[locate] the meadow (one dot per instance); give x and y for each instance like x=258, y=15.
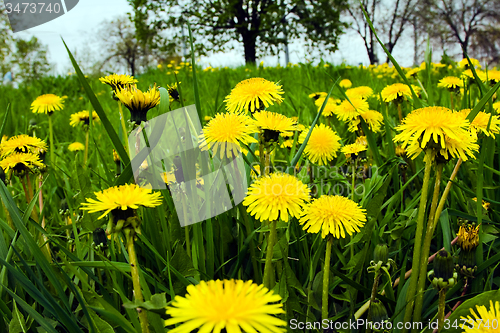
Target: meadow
x=391, y=185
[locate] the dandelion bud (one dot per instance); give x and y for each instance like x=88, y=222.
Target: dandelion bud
x=443, y=265
x=381, y=253
x=378, y=312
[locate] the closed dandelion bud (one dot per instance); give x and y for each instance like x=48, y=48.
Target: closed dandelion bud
x=443, y=265
x=378, y=312
x=381, y=253
x=467, y=263
x=100, y=238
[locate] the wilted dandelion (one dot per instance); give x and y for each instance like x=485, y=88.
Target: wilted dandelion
x=230, y=305
x=253, y=95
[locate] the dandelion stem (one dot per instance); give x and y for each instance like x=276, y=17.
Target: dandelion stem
x=124, y=127
x=52, y=143
x=418, y=238
x=86, y=154
x=441, y=307
x=268, y=268
x=372, y=298
x=417, y=314
x=400, y=113
x=326, y=278
x=134, y=270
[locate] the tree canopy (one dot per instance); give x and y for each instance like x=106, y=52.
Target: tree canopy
x=261, y=26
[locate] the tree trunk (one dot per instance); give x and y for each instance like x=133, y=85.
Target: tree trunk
x=372, y=56
x=249, y=44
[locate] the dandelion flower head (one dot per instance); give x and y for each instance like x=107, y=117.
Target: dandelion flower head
x=333, y=215
x=230, y=305
x=253, y=95
x=276, y=196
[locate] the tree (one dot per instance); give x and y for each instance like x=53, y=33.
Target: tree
x=389, y=17
x=27, y=59
x=473, y=24
x=31, y=59
x=122, y=48
x=260, y=25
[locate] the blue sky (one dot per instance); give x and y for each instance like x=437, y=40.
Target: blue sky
x=77, y=25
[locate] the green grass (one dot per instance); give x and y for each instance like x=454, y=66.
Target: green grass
x=90, y=290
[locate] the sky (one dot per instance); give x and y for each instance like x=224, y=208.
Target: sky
x=76, y=28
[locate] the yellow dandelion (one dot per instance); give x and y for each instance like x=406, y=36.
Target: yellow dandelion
x=76, y=146
x=21, y=163
x=464, y=63
x=322, y=145
x=345, y=83
x=253, y=94
x=467, y=74
x=468, y=237
x=353, y=149
x=276, y=196
x=225, y=132
x=173, y=92
x=362, y=140
x=273, y=124
x=451, y=83
x=228, y=305
x=350, y=110
x=138, y=102
x=330, y=107
x=121, y=198
x=412, y=73
x=317, y=95
x=496, y=106
x=372, y=118
x=493, y=76
x=47, y=104
x=485, y=204
x=333, y=215
x=82, y=117
x=486, y=321
x=433, y=121
x=397, y=92
x=463, y=147
x=22, y=144
x=400, y=151
x=481, y=121
x=363, y=92
x=118, y=81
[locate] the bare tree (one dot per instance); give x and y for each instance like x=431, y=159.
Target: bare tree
x=472, y=24
x=390, y=18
